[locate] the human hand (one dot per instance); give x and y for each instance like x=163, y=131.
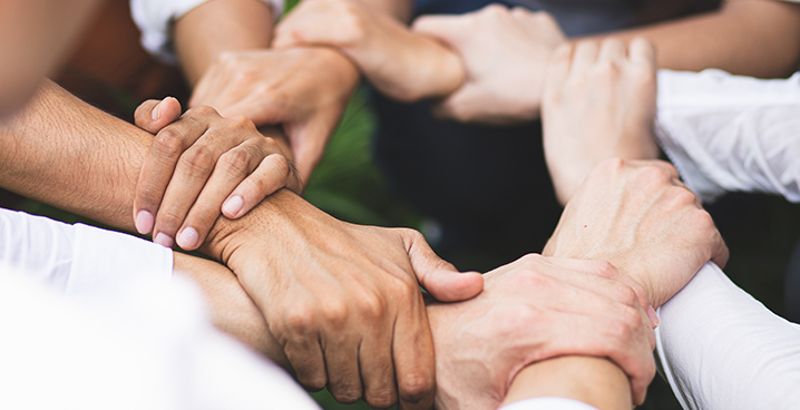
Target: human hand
x=505, y=52
x=403, y=65
x=304, y=89
x=343, y=300
x=642, y=219
x=612, y=91
x=535, y=309
x=199, y=166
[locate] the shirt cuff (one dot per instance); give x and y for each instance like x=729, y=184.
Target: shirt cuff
x=155, y=18
x=548, y=403
x=105, y=259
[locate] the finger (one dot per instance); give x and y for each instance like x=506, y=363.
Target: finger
x=377, y=371
x=413, y=354
x=231, y=169
x=573, y=334
x=159, y=166
x=721, y=253
x=641, y=51
x=584, y=56
x=192, y=172
x=270, y=176
x=305, y=356
x=153, y=115
x=558, y=69
x=256, y=109
x=612, y=50
x=341, y=364
x=440, y=278
x=308, y=146
x=447, y=28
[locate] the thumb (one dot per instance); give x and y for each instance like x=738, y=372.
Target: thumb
x=440, y=278
x=153, y=115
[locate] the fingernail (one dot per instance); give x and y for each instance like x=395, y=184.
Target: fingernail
x=157, y=111
x=144, y=222
x=233, y=206
x=651, y=313
x=187, y=238
x=164, y=240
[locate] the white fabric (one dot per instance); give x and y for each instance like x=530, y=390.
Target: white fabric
x=76, y=259
x=91, y=321
x=721, y=349
x=155, y=18
x=727, y=133
x=139, y=346
x=548, y=403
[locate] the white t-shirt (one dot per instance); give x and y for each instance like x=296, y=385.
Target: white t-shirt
x=155, y=19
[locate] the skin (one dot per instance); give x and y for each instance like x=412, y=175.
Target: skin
x=742, y=43
x=39, y=38
x=285, y=249
x=609, y=74
x=200, y=166
x=530, y=291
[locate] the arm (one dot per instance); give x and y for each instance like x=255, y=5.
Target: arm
x=739, y=355
x=759, y=38
x=66, y=153
x=592, y=381
x=726, y=133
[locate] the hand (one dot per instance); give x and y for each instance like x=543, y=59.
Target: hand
x=343, y=300
x=201, y=165
x=612, y=91
x=505, y=53
x=639, y=217
x=401, y=64
x=304, y=89
x=535, y=309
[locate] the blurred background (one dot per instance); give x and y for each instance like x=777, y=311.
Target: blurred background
x=111, y=71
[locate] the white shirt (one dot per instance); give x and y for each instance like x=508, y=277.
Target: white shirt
x=91, y=320
x=719, y=347
x=728, y=133
x=155, y=19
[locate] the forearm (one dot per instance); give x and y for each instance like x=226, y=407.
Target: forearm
x=750, y=37
x=237, y=25
x=68, y=154
x=231, y=309
x=722, y=349
x=595, y=381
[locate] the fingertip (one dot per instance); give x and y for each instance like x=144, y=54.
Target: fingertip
x=233, y=206
x=144, y=222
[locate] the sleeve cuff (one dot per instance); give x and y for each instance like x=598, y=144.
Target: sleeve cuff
x=105, y=259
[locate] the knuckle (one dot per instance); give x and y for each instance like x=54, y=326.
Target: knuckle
x=199, y=160
x=300, y=320
x=168, y=221
x=335, y=313
x=372, y=306
x=381, y=398
x=236, y=162
x=347, y=393
x=416, y=385
x=169, y=142
x=202, y=111
x=606, y=270
x=241, y=122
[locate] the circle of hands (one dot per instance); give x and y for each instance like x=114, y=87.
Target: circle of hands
x=343, y=303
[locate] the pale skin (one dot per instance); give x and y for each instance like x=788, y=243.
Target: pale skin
x=748, y=37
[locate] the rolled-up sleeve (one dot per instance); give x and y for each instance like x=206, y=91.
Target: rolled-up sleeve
x=155, y=17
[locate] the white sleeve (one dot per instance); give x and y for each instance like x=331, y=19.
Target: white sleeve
x=155, y=17
x=76, y=259
x=548, y=403
x=726, y=133
x=720, y=349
